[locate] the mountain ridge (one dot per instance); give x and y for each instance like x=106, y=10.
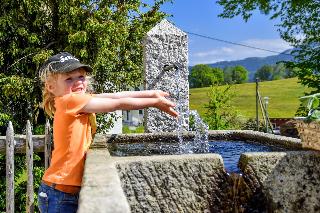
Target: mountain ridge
x=252, y=64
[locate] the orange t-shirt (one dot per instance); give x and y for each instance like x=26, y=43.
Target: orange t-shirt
x=72, y=138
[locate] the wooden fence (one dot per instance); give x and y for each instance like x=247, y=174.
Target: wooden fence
x=28, y=144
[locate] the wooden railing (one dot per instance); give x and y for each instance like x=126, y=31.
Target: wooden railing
x=28, y=144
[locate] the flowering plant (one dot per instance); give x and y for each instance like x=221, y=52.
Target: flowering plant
x=312, y=103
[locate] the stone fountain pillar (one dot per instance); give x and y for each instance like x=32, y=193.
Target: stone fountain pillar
x=166, y=68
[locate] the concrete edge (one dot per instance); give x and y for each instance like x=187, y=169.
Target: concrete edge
x=108, y=140
x=101, y=186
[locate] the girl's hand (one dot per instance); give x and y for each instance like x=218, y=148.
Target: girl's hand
x=166, y=105
x=159, y=94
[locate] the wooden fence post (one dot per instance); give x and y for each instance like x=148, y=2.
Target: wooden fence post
x=47, y=145
x=10, y=169
x=29, y=162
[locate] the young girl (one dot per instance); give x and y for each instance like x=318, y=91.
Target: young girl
x=65, y=98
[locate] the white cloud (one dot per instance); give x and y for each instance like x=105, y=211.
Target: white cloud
x=236, y=52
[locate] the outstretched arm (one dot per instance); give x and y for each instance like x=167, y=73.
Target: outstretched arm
x=134, y=94
x=97, y=104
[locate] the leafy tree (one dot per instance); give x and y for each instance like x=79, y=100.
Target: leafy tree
x=220, y=113
x=275, y=72
x=279, y=71
x=235, y=75
x=300, y=26
x=264, y=73
x=219, y=75
x=228, y=75
x=290, y=72
x=239, y=74
x=203, y=75
x=106, y=34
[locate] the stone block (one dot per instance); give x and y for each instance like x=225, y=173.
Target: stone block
x=166, y=68
x=283, y=181
x=173, y=183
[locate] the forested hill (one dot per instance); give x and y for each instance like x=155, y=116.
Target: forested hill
x=254, y=63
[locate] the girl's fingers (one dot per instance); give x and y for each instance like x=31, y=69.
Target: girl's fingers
x=164, y=101
x=173, y=112
x=165, y=94
x=167, y=106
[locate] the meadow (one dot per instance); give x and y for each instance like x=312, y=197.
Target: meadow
x=283, y=98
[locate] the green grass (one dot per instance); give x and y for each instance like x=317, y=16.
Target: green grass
x=283, y=98
x=127, y=130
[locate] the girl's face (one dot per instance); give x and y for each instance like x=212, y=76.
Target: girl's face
x=71, y=82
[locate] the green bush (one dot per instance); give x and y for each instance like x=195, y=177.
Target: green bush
x=251, y=124
x=220, y=114
x=312, y=104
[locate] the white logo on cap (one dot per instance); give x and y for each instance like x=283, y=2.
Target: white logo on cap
x=66, y=58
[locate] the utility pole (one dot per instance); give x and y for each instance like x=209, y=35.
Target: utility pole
x=266, y=102
x=257, y=104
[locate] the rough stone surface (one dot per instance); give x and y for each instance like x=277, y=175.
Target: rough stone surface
x=309, y=133
x=101, y=187
x=289, y=129
x=166, y=68
x=173, y=183
x=271, y=182
x=283, y=181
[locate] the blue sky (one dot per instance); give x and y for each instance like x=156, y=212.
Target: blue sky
x=201, y=17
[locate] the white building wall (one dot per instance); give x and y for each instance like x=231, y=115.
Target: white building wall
x=117, y=128
x=133, y=117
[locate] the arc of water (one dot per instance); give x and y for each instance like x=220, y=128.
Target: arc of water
x=201, y=129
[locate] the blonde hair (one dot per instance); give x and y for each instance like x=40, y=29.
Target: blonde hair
x=47, y=76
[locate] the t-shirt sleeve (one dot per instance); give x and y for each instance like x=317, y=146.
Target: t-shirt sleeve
x=75, y=102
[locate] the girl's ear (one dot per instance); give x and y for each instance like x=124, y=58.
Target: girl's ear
x=50, y=87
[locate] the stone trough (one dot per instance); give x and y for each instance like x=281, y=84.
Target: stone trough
x=287, y=181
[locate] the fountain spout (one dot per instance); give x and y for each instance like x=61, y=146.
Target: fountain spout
x=170, y=67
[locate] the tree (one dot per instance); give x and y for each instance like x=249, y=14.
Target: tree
x=274, y=72
x=203, y=75
x=264, y=73
x=105, y=34
x=239, y=74
x=300, y=26
x=220, y=113
x=279, y=71
x=219, y=75
x=235, y=75
x=228, y=75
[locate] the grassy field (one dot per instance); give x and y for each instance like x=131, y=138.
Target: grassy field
x=283, y=98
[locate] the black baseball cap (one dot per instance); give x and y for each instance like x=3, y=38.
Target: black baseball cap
x=64, y=62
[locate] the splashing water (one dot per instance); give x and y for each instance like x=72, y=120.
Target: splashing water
x=200, y=142
x=184, y=147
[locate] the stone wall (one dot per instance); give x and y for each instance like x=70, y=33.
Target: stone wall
x=283, y=181
x=101, y=189
x=176, y=183
x=309, y=133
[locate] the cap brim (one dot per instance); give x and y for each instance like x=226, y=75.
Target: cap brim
x=73, y=66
